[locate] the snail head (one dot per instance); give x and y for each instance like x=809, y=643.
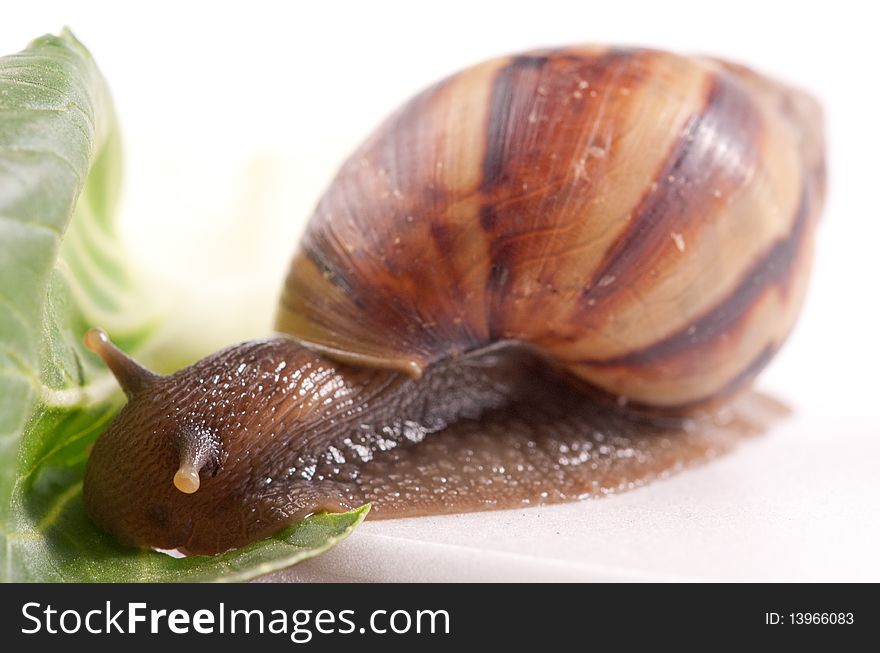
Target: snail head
x=182, y=448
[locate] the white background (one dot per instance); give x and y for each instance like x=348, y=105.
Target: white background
x=236, y=115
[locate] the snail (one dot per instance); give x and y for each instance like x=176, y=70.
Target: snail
x=549, y=276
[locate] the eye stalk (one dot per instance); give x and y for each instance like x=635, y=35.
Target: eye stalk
x=195, y=452
x=199, y=451
x=186, y=479
x=131, y=375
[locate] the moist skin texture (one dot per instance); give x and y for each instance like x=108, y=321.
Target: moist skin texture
x=277, y=432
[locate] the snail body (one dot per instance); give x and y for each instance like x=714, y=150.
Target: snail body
x=536, y=281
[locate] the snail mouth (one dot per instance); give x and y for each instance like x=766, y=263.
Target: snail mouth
x=179, y=550
x=182, y=550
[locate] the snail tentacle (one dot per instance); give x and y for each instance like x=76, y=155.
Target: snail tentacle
x=132, y=377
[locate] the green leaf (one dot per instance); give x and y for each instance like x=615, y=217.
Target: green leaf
x=62, y=270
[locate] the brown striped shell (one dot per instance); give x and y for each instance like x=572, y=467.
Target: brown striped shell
x=642, y=218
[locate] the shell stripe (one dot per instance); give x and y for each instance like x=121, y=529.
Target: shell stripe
x=769, y=273
x=685, y=191
x=514, y=142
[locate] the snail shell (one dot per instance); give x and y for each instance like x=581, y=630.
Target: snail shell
x=624, y=224
x=641, y=218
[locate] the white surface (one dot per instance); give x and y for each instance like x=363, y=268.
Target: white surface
x=239, y=114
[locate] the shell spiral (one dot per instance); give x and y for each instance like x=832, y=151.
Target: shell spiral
x=642, y=218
